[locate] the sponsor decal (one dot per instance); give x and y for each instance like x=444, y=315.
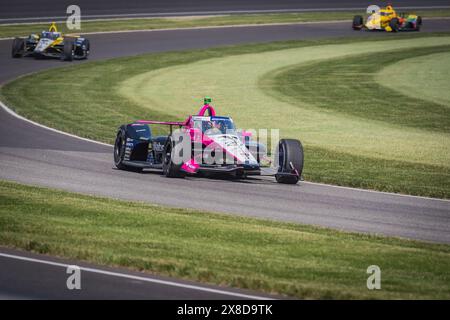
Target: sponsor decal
x=213, y=147
x=158, y=147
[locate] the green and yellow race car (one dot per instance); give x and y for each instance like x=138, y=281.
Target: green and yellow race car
x=387, y=19
x=52, y=44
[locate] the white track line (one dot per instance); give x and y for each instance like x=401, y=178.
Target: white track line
x=146, y=279
x=8, y=110
x=223, y=12
x=374, y=191
x=249, y=25
x=205, y=27
x=218, y=27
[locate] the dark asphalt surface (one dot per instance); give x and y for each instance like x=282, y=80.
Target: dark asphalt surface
x=57, y=8
x=36, y=280
x=34, y=155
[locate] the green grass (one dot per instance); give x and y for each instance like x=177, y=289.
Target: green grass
x=348, y=86
x=15, y=30
x=295, y=260
x=362, y=86
x=378, y=148
x=371, y=173
x=423, y=78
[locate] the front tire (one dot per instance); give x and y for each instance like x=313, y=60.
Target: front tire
x=290, y=157
x=394, y=24
x=18, y=48
x=418, y=23
x=357, y=23
x=87, y=49
x=68, y=51
x=82, y=51
x=119, y=152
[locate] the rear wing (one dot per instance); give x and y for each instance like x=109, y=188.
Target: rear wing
x=206, y=108
x=166, y=123
x=169, y=123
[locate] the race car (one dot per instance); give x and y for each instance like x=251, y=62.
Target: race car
x=387, y=19
x=204, y=144
x=52, y=44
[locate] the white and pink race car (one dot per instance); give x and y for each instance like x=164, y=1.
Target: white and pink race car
x=205, y=144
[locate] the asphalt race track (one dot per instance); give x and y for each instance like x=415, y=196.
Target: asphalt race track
x=35, y=155
x=30, y=10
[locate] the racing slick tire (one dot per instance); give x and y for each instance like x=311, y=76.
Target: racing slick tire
x=357, y=23
x=18, y=48
x=80, y=53
x=170, y=169
x=394, y=24
x=119, y=151
x=290, y=156
x=68, y=51
x=418, y=23
x=87, y=50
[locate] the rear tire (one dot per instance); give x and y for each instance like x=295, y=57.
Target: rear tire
x=394, y=24
x=357, y=23
x=290, y=154
x=88, y=48
x=170, y=169
x=119, y=152
x=68, y=51
x=80, y=52
x=18, y=48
